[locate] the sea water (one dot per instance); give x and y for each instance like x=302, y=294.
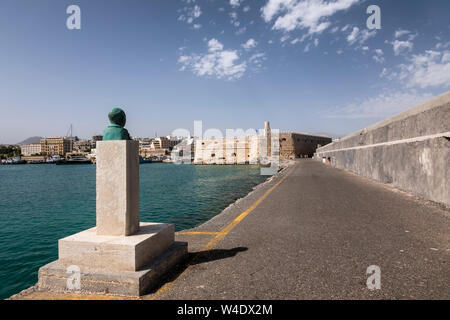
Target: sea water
x=40, y=204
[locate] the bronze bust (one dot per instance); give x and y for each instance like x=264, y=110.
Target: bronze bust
x=116, y=130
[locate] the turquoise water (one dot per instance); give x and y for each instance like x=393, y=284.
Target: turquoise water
x=40, y=204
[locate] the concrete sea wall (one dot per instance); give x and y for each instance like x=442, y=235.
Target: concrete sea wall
x=410, y=150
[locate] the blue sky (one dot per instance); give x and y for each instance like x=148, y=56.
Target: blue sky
x=304, y=65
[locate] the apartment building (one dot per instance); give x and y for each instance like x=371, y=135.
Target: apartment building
x=56, y=146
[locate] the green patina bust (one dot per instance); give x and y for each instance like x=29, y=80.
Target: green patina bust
x=116, y=130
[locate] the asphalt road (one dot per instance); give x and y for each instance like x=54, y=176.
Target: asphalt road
x=313, y=236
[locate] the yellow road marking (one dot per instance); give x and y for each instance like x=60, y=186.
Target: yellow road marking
x=220, y=235
x=241, y=217
x=197, y=232
x=74, y=296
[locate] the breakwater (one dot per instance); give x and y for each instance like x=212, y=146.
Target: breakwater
x=409, y=150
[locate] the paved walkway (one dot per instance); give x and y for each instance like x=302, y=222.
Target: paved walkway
x=311, y=234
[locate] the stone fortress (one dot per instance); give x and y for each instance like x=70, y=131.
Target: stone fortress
x=257, y=148
x=300, y=145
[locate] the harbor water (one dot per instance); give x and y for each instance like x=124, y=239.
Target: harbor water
x=40, y=204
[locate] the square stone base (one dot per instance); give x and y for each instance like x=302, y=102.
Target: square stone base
x=54, y=276
x=119, y=253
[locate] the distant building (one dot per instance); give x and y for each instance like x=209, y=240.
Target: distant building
x=225, y=151
x=161, y=146
x=151, y=152
x=184, y=151
x=82, y=146
x=95, y=138
x=253, y=149
x=296, y=145
x=33, y=159
x=164, y=143
x=145, y=142
x=30, y=149
x=257, y=148
x=56, y=146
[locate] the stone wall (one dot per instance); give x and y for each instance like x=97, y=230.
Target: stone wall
x=410, y=150
x=296, y=145
x=226, y=151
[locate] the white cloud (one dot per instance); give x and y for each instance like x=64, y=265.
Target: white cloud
x=234, y=19
x=353, y=35
x=378, y=57
x=384, y=72
x=216, y=62
x=308, y=46
x=284, y=38
x=196, y=12
x=401, y=46
x=430, y=69
x=365, y=35
x=442, y=45
x=381, y=106
x=401, y=32
x=344, y=28
x=303, y=14
x=235, y=3
x=246, y=8
x=257, y=57
x=251, y=43
x=334, y=30
x=241, y=31
x=214, y=45
x=190, y=14
x=256, y=61
x=360, y=36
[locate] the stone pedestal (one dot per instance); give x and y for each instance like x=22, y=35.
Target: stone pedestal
x=117, y=187
x=55, y=275
x=120, y=255
x=87, y=249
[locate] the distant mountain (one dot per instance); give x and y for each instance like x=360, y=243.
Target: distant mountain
x=31, y=140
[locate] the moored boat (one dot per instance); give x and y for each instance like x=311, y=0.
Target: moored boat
x=75, y=159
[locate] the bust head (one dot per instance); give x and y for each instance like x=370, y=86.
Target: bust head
x=116, y=130
x=117, y=116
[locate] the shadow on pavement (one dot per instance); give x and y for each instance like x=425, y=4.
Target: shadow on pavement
x=195, y=258
x=214, y=254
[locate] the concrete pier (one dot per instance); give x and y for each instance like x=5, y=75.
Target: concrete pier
x=311, y=232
